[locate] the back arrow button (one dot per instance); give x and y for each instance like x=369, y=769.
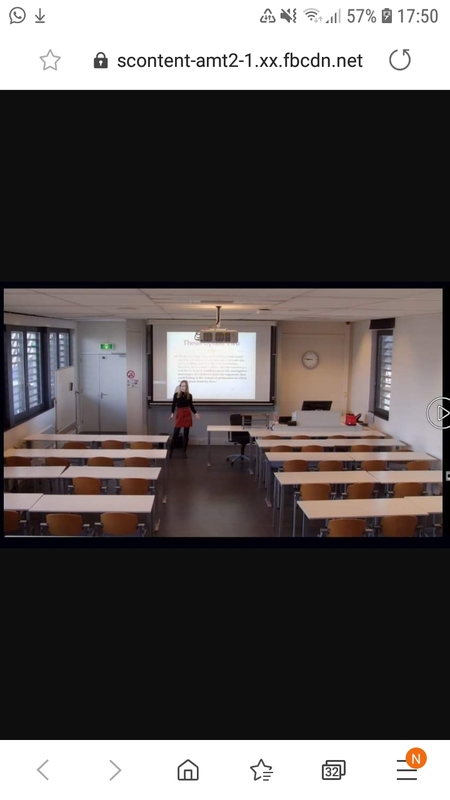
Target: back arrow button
x=39, y=770
x=117, y=768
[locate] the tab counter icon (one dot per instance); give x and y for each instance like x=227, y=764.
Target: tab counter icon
x=415, y=759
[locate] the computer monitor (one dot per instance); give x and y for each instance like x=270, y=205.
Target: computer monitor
x=316, y=405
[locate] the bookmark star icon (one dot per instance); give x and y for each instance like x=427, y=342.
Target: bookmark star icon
x=50, y=60
x=262, y=770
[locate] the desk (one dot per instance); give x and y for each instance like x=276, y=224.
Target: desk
x=95, y=438
x=432, y=504
x=280, y=458
x=96, y=504
x=267, y=444
x=283, y=479
x=151, y=474
x=117, y=455
x=395, y=455
x=290, y=431
x=32, y=473
x=59, y=437
x=393, y=476
x=349, y=509
x=15, y=501
x=134, y=437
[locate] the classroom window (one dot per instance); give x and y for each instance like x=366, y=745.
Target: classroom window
x=58, y=355
x=32, y=355
x=383, y=374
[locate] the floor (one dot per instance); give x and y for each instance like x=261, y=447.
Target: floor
x=220, y=500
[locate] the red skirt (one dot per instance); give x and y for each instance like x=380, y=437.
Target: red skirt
x=183, y=418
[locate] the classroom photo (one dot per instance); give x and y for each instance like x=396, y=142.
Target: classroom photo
x=304, y=416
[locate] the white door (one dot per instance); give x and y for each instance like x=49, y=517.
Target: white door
x=103, y=387
x=90, y=393
x=113, y=393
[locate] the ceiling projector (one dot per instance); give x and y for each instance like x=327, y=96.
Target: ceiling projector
x=217, y=334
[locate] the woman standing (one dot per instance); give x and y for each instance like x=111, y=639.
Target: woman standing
x=182, y=402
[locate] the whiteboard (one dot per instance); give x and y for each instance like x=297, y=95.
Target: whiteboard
x=65, y=400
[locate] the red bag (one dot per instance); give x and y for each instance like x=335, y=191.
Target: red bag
x=352, y=419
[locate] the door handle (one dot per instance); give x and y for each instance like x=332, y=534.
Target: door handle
x=103, y=394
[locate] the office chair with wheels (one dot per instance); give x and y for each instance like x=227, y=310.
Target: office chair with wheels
x=238, y=437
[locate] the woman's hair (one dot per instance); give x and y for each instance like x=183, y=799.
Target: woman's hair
x=187, y=389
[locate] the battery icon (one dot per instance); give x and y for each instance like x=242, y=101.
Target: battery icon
x=386, y=15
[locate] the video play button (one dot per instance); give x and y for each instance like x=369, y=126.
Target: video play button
x=436, y=412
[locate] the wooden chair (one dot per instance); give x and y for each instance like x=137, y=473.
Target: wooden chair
x=17, y=461
x=315, y=491
x=370, y=437
x=418, y=465
x=75, y=446
x=137, y=461
x=296, y=465
x=120, y=524
x=55, y=461
x=300, y=436
x=86, y=486
x=64, y=525
x=359, y=491
x=100, y=461
x=373, y=466
x=281, y=448
x=134, y=486
x=313, y=448
x=273, y=437
x=361, y=448
x=12, y=522
x=112, y=444
x=346, y=527
x=330, y=466
x=398, y=526
x=408, y=489
x=141, y=445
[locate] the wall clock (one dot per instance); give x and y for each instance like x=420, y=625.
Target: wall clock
x=310, y=359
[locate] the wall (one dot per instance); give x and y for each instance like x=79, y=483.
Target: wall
x=416, y=379
x=136, y=331
x=91, y=334
x=14, y=436
x=328, y=381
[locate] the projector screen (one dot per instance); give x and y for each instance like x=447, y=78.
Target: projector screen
x=216, y=373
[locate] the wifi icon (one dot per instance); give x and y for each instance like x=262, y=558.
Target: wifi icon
x=311, y=13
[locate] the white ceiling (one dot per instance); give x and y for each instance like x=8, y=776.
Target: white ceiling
x=236, y=304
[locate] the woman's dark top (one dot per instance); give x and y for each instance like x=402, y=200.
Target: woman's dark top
x=182, y=402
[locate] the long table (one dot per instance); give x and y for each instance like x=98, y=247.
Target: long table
x=94, y=438
x=267, y=444
x=83, y=455
x=283, y=479
x=150, y=474
x=280, y=458
x=352, y=509
x=96, y=504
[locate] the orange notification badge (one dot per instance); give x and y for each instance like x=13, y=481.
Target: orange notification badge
x=416, y=758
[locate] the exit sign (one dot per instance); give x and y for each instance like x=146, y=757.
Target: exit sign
x=106, y=346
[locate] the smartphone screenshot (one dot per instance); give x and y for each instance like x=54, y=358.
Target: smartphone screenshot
x=199, y=45
x=283, y=416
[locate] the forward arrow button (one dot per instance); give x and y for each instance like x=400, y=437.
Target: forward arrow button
x=117, y=768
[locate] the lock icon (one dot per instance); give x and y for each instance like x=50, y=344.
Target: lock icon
x=100, y=61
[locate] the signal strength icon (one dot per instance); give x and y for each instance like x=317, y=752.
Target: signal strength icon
x=311, y=13
x=335, y=18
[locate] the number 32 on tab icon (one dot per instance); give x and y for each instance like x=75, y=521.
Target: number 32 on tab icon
x=333, y=770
